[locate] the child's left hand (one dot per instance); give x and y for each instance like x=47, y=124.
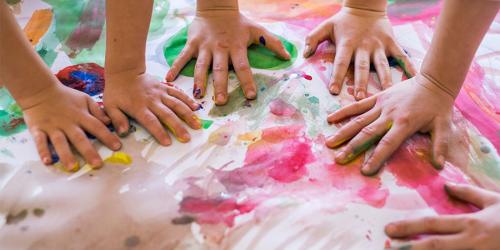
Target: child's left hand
x=220, y=38
x=478, y=230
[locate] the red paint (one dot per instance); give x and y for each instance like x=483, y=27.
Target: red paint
x=424, y=178
x=214, y=210
x=307, y=77
x=86, y=77
x=281, y=155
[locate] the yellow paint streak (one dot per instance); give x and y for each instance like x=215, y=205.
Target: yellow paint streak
x=38, y=25
x=73, y=169
x=250, y=136
x=119, y=158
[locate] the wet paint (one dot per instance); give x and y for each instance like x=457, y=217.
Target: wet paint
x=121, y=158
x=87, y=78
x=11, y=116
x=279, y=107
x=206, y=124
x=358, y=150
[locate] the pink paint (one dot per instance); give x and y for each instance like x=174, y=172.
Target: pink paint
x=281, y=155
x=215, y=210
x=424, y=178
x=90, y=28
x=307, y=77
x=279, y=107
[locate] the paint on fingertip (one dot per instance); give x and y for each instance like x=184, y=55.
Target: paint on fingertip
x=262, y=40
x=119, y=158
x=403, y=66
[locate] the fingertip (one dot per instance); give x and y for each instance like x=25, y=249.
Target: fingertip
x=220, y=99
x=251, y=94
x=73, y=166
x=47, y=160
x=334, y=89
x=390, y=229
x=360, y=95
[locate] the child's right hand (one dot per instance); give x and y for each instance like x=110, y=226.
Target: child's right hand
x=63, y=115
x=362, y=36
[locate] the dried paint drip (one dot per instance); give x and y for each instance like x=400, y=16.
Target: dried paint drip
x=119, y=158
x=87, y=78
x=214, y=210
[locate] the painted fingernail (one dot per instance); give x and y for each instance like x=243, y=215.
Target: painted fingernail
x=220, y=98
x=73, y=167
x=197, y=122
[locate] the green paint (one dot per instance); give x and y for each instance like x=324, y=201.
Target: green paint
x=258, y=56
x=313, y=99
x=356, y=151
x=403, y=66
x=205, y=124
x=67, y=16
x=11, y=115
x=160, y=11
x=12, y=2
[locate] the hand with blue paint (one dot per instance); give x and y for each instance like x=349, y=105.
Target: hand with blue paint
x=362, y=33
x=219, y=36
x=423, y=103
x=54, y=113
x=479, y=230
x=129, y=90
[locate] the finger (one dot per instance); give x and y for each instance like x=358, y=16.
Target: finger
x=385, y=147
x=201, y=73
x=63, y=150
x=363, y=141
x=181, y=95
x=321, y=33
x=444, y=224
x=352, y=109
x=403, y=60
x=242, y=68
x=102, y=133
x=96, y=111
x=472, y=194
x=272, y=42
x=182, y=111
x=343, y=55
x=361, y=73
x=172, y=122
x=82, y=144
x=382, y=67
x=149, y=121
x=42, y=146
x=184, y=57
x=349, y=130
x=441, y=242
x=119, y=120
x=220, y=73
x=439, y=138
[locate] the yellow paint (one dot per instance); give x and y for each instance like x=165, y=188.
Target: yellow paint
x=38, y=25
x=119, y=158
x=73, y=169
x=250, y=136
x=338, y=143
x=197, y=120
x=175, y=134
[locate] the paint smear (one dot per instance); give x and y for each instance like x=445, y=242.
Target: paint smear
x=119, y=158
x=87, y=78
x=11, y=116
x=279, y=107
x=38, y=25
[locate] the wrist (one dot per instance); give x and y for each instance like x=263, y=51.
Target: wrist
x=125, y=75
x=50, y=91
x=372, y=5
x=430, y=83
x=219, y=5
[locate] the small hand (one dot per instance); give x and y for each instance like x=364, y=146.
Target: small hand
x=222, y=36
x=152, y=103
x=362, y=36
x=391, y=116
x=63, y=115
x=478, y=230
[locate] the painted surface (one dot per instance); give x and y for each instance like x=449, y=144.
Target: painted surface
x=257, y=176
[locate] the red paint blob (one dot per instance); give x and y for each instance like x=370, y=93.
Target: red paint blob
x=307, y=77
x=86, y=77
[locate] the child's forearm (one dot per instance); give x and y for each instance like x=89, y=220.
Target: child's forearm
x=460, y=29
x=207, y=5
x=373, y=5
x=22, y=71
x=127, y=25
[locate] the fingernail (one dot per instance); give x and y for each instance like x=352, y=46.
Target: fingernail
x=96, y=163
x=197, y=122
x=251, y=94
x=197, y=92
x=334, y=89
x=340, y=157
x=337, y=143
x=449, y=185
x=307, y=51
x=73, y=167
x=438, y=163
x=390, y=228
x=288, y=56
x=169, y=77
x=46, y=160
x=185, y=137
x=117, y=146
x=360, y=95
x=220, y=98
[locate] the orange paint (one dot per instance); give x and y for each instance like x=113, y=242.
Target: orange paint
x=38, y=25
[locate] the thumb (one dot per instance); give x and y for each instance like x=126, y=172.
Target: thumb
x=318, y=35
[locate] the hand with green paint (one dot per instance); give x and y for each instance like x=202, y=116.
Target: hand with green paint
x=218, y=36
x=389, y=118
x=362, y=33
x=477, y=230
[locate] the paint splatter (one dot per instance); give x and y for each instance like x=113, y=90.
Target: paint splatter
x=38, y=212
x=87, y=78
x=119, y=158
x=11, y=116
x=16, y=218
x=220, y=136
x=206, y=124
x=279, y=107
x=215, y=210
x=262, y=40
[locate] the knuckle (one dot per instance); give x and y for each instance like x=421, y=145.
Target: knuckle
x=430, y=222
x=363, y=65
x=435, y=243
x=242, y=66
x=148, y=118
x=369, y=131
x=384, y=142
x=218, y=67
x=403, y=120
x=359, y=121
x=341, y=63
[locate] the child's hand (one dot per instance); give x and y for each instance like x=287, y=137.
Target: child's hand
x=63, y=115
x=152, y=103
x=220, y=38
x=391, y=116
x=364, y=37
x=478, y=230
